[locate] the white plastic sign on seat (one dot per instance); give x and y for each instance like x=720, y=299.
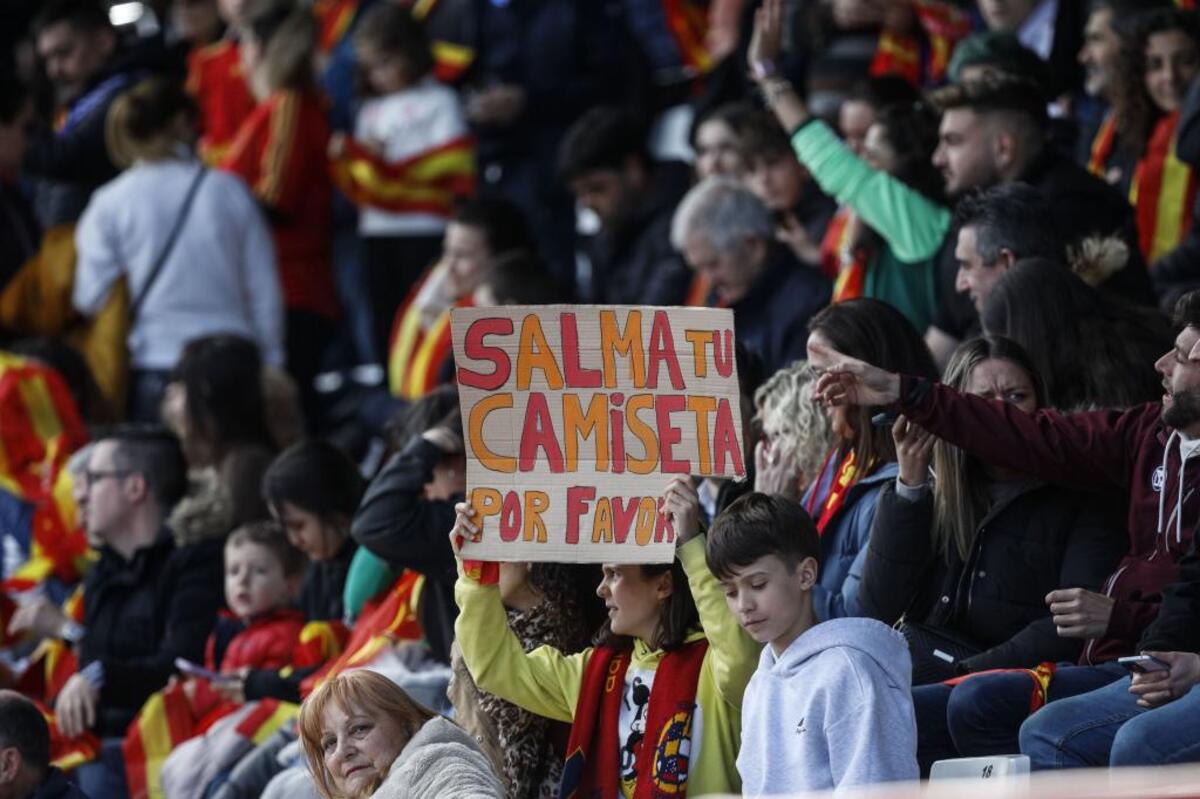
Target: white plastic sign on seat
x=981, y=768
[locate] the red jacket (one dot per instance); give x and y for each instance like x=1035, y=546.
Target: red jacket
x=267, y=642
x=216, y=80
x=1099, y=451
x=280, y=151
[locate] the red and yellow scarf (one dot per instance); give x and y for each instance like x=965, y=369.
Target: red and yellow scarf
x=1162, y=193
x=663, y=755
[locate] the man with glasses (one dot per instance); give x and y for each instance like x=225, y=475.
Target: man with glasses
x=146, y=602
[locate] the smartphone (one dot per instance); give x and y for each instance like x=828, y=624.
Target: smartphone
x=1143, y=663
x=885, y=419
x=196, y=670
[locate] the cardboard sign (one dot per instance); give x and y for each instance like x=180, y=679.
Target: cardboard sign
x=576, y=418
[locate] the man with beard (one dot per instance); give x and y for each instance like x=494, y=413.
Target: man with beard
x=603, y=160
x=1143, y=452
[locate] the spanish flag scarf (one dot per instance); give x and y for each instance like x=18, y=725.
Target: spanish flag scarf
x=663, y=756
x=1162, y=193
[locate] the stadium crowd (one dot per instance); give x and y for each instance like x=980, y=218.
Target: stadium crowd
x=958, y=242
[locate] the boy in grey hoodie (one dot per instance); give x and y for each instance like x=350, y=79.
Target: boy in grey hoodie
x=830, y=705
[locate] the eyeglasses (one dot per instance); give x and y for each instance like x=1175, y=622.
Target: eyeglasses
x=94, y=477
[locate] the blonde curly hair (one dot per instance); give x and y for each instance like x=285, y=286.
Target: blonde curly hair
x=785, y=408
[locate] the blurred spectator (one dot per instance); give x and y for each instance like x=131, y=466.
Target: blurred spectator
x=1051, y=28
x=87, y=68
x=190, y=243
x=716, y=140
x=19, y=229
x=604, y=160
x=728, y=239
x=420, y=355
x=280, y=151
x=197, y=22
x=1159, y=60
x=408, y=160
x=521, y=98
x=216, y=78
x=215, y=405
x=861, y=109
x=148, y=600
x=992, y=52
x=1099, y=145
x=800, y=209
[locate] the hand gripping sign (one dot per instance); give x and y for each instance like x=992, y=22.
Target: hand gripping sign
x=577, y=417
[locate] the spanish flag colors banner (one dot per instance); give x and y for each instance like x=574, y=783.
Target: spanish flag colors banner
x=430, y=182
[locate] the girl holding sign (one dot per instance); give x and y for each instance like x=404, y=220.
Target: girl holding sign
x=656, y=704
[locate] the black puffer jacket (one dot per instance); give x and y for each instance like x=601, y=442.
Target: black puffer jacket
x=398, y=524
x=141, y=614
x=1034, y=541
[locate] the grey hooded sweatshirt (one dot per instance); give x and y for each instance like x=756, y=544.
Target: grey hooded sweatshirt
x=835, y=710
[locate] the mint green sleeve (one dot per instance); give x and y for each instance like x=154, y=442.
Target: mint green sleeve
x=733, y=654
x=913, y=225
x=544, y=681
x=368, y=575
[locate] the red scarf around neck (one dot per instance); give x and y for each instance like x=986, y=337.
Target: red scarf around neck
x=592, y=769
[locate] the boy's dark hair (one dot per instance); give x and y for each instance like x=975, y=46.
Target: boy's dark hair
x=392, y=29
x=153, y=452
x=24, y=728
x=996, y=92
x=521, y=278
x=764, y=139
x=271, y=536
x=502, y=221
x=603, y=139
x=758, y=525
x=1012, y=216
x=85, y=16
x=317, y=477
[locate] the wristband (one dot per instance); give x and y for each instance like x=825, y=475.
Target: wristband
x=763, y=69
x=484, y=572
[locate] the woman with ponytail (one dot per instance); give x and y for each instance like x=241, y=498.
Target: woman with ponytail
x=193, y=249
x=280, y=151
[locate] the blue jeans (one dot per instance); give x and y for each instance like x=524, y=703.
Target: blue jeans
x=1107, y=727
x=983, y=715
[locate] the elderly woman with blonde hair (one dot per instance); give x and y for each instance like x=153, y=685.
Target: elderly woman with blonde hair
x=364, y=736
x=796, y=432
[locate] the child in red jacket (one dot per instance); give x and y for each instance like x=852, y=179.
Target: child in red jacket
x=260, y=630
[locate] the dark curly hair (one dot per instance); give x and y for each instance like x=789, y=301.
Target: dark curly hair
x=1136, y=112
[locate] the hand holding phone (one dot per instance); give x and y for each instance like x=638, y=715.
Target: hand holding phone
x=1143, y=664
x=196, y=670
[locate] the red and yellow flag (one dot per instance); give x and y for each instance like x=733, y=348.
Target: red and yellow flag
x=418, y=354
x=1162, y=193
x=429, y=182
x=922, y=58
x=40, y=428
x=687, y=21
x=334, y=18
x=385, y=621
x=1041, y=676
